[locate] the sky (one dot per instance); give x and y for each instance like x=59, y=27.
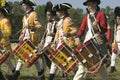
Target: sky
x=78, y=3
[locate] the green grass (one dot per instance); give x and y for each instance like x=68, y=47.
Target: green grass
x=31, y=73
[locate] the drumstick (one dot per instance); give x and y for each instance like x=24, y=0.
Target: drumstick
x=18, y=32
x=39, y=45
x=97, y=24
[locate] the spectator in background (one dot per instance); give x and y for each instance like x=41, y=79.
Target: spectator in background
x=116, y=42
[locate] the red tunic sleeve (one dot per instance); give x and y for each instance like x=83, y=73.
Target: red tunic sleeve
x=83, y=26
x=108, y=35
x=101, y=17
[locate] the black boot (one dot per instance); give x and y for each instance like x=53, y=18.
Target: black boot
x=113, y=69
x=16, y=75
x=51, y=76
x=13, y=70
x=1, y=76
x=41, y=75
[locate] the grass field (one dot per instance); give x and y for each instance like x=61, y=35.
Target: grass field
x=31, y=73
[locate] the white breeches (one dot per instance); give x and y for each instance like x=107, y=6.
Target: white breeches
x=113, y=57
x=53, y=68
x=19, y=65
x=80, y=74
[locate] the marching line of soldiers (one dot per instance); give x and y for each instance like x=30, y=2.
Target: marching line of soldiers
x=61, y=31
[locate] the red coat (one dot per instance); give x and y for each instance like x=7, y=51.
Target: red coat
x=108, y=35
x=100, y=17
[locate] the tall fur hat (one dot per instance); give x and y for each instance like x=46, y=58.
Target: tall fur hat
x=49, y=10
x=117, y=11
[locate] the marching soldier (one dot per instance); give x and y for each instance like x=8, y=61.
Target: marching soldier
x=5, y=31
x=50, y=31
x=94, y=22
x=50, y=28
x=116, y=42
x=66, y=31
x=31, y=30
x=51, y=25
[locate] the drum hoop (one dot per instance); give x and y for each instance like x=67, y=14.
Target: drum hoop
x=72, y=66
x=33, y=60
x=81, y=46
x=4, y=57
x=19, y=46
x=98, y=65
x=57, y=50
x=47, y=47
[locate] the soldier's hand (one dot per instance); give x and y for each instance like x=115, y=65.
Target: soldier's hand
x=21, y=38
x=53, y=45
x=114, y=47
x=51, y=34
x=67, y=34
x=95, y=25
x=77, y=41
x=33, y=29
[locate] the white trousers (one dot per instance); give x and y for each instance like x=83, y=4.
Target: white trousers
x=19, y=65
x=53, y=65
x=80, y=74
x=53, y=68
x=114, y=55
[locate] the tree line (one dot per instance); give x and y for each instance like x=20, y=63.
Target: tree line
x=76, y=14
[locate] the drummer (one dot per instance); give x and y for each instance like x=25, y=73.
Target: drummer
x=94, y=22
x=50, y=30
x=31, y=30
x=116, y=42
x=5, y=32
x=66, y=30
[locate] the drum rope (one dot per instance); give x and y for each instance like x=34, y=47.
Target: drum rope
x=88, y=52
x=97, y=67
x=83, y=56
x=101, y=62
x=71, y=56
x=95, y=46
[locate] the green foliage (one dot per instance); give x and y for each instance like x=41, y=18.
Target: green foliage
x=40, y=10
x=16, y=19
x=77, y=16
x=110, y=18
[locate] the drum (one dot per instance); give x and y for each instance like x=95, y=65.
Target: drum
x=47, y=50
x=90, y=55
x=62, y=57
x=27, y=52
x=4, y=54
